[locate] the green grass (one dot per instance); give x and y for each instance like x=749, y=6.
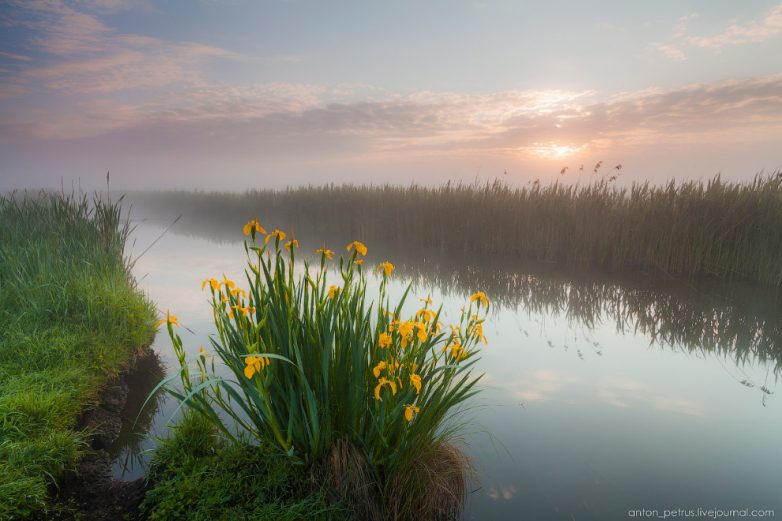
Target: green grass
x=195, y=475
x=691, y=229
x=70, y=317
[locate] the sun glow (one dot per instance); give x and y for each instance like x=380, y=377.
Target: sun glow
x=552, y=150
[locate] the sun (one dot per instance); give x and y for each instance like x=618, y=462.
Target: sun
x=552, y=150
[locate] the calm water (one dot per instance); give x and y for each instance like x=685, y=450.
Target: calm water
x=601, y=395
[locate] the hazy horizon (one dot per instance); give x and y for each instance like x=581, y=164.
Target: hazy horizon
x=229, y=95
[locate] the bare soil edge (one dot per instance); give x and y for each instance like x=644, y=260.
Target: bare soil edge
x=89, y=492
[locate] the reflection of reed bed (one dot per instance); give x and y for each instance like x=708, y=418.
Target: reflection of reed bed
x=718, y=228
x=736, y=320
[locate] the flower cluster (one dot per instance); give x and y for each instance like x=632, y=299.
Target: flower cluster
x=404, y=345
x=314, y=361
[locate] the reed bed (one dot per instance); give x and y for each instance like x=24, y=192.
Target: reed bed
x=692, y=229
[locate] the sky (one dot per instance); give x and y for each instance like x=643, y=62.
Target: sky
x=233, y=94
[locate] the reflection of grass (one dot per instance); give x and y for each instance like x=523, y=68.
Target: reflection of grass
x=69, y=317
x=716, y=228
x=137, y=418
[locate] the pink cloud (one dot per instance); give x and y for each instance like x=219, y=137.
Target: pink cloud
x=755, y=31
x=670, y=51
x=94, y=58
x=301, y=115
x=17, y=57
x=62, y=30
x=736, y=34
x=151, y=64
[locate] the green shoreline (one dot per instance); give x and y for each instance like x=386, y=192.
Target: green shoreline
x=71, y=318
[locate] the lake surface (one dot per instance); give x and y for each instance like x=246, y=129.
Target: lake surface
x=602, y=394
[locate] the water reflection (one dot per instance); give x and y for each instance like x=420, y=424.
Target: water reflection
x=585, y=420
x=736, y=320
x=127, y=450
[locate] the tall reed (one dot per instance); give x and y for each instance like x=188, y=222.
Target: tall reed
x=691, y=229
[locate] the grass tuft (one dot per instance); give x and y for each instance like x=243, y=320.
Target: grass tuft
x=195, y=475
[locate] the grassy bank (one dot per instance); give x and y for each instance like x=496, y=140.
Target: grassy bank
x=692, y=229
x=70, y=317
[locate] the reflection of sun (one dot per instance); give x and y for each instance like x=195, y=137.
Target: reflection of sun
x=552, y=150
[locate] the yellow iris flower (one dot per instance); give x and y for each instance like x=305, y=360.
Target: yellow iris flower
x=411, y=411
x=253, y=226
x=243, y=310
x=170, y=319
x=384, y=340
x=386, y=267
x=480, y=296
x=477, y=331
x=334, y=291
x=213, y=283
x=291, y=244
x=457, y=351
x=361, y=249
x=379, y=367
x=406, y=332
x=381, y=383
x=406, y=328
x=427, y=314
x=280, y=235
x=254, y=364
x=415, y=381
x=421, y=331
x=325, y=252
